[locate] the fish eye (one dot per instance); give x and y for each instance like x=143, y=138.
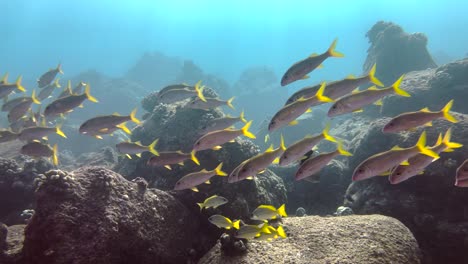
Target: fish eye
x=390, y=124
x=243, y=170
x=334, y=107
x=398, y=173
x=360, y=171
x=198, y=143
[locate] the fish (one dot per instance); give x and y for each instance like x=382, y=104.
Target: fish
x=191, y=180
x=79, y=88
x=419, y=162
x=47, y=91
x=7, y=135
x=221, y=123
x=337, y=89
x=354, y=102
x=212, y=202
x=49, y=76
x=37, y=149
x=7, y=88
x=171, y=157
x=462, y=171
x=4, y=79
x=23, y=122
x=175, y=95
x=68, y=103
x=223, y=222
x=210, y=103
x=176, y=87
x=22, y=108
x=39, y=132
x=297, y=150
x=214, y=139
x=411, y=120
x=67, y=91
x=300, y=69
x=268, y=212
x=313, y=165
x=258, y=163
x=385, y=161
x=8, y=105
x=130, y=148
x=252, y=231
x=289, y=113
x=461, y=183
x=274, y=234
x=107, y=124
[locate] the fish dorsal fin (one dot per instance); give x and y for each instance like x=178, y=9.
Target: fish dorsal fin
x=116, y=114
x=204, y=170
x=397, y=148
x=355, y=91
x=373, y=88
x=350, y=77
x=138, y=142
x=270, y=149
x=308, y=110
x=313, y=55
x=425, y=110
x=179, y=152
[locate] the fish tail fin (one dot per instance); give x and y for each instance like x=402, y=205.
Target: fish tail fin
x=54, y=155
x=236, y=224
x=133, y=117
x=421, y=145
x=59, y=131
x=34, y=98
x=218, y=170
x=282, y=145
x=229, y=102
x=246, y=132
x=372, y=77
x=201, y=206
x=332, y=52
x=320, y=96
x=59, y=68
x=282, y=210
x=242, y=117
x=326, y=134
x=194, y=158
x=56, y=83
x=18, y=84
x=446, y=112
x=152, y=146
x=280, y=231
x=398, y=90
x=439, y=140
x=446, y=140
x=341, y=150
x=124, y=128
x=88, y=95
x=5, y=78
x=199, y=90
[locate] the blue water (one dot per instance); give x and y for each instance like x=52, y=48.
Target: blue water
x=223, y=37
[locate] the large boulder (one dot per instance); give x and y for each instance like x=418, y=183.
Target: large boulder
x=347, y=239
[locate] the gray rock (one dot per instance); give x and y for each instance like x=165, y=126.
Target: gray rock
x=343, y=210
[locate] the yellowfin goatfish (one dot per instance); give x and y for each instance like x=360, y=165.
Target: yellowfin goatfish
x=356, y=101
x=49, y=76
x=191, y=180
x=257, y=164
x=268, y=212
x=213, y=202
x=418, y=162
x=274, y=234
x=7, y=135
x=37, y=149
x=385, y=161
x=301, y=68
x=105, y=124
x=461, y=179
x=252, y=231
x=297, y=150
x=39, y=132
x=411, y=120
x=131, y=148
x=47, y=91
x=7, y=88
x=175, y=95
x=337, y=89
x=171, y=157
x=314, y=164
x=210, y=103
x=215, y=139
x=221, y=123
x=68, y=103
x=223, y=222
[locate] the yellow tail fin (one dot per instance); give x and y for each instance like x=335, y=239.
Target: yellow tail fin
x=320, y=96
x=88, y=95
x=341, y=150
x=34, y=98
x=151, y=147
x=55, y=157
x=282, y=211
x=242, y=117
x=280, y=232
x=194, y=158
x=421, y=145
x=332, y=52
x=59, y=131
x=199, y=91
x=446, y=112
x=372, y=77
x=229, y=102
x=439, y=140
x=398, y=90
x=124, y=128
x=282, y=146
x=245, y=130
x=236, y=224
x=446, y=140
x=18, y=84
x=133, y=118
x=326, y=135
x=218, y=170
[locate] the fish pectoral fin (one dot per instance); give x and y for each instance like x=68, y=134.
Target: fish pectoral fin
x=378, y=102
x=181, y=163
x=276, y=161
x=358, y=111
x=421, y=173
x=138, y=155
x=103, y=130
x=320, y=66
x=293, y=123
x=128, y=156
x=98, y=137
x=232, y=141
x=167, y=167
x=428, y=124
x=385, y=173
x=355, y=91
x=208, y=182
x=216, y=148
x=397, y=148
x=405, y=163
x=261, y=172
x=412, y=129
x=267, y=137
x=308, y=110
x=81, y=106
x=249, y=178
x=195, y=189
x=305, y=77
